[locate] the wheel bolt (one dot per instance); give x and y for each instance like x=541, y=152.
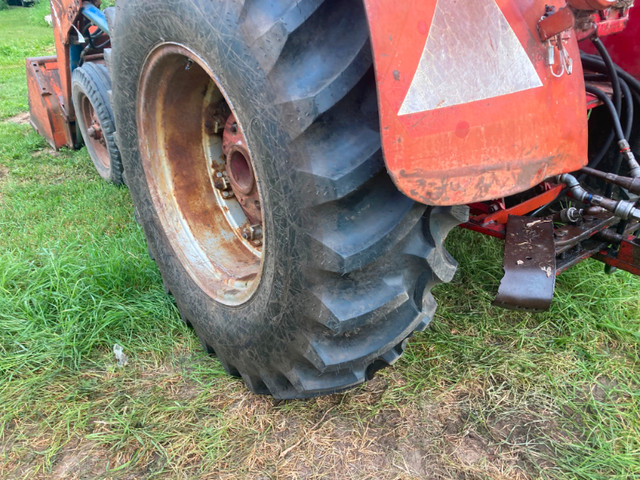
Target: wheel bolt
x=253, y=233
x=221, y=182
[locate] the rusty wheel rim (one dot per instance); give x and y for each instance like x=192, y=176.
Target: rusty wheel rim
x=94, y=133
x=188, y=137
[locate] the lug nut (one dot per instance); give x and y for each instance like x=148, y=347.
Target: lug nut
x=253, y=233
x=221, y=182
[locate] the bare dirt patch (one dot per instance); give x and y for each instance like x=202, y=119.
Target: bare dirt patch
x=80, y=460
x=48, y=151
x=21, y=118
x=165, y=421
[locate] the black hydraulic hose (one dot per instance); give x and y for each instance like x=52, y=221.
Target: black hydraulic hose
x=595, y=63
x=606, y=145
x=597, y=158
x=621, y=87
x=595, y=77
x=628, y=106
x=604, y=98
x=632, y=90
x=611, y=71
x=631, y=81
x=627, y=98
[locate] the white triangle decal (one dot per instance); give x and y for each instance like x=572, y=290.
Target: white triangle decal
x=471, y=54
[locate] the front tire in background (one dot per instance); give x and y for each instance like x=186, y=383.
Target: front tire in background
x=339, y=275
x=90, y=85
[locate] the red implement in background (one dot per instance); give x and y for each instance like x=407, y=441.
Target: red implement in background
x=49, y=80
x=469, y=108
x=47, y=104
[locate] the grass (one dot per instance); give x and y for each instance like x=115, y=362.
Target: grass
x=24, y=34
x=484, y=394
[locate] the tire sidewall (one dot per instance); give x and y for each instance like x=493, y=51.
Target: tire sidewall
x=258, y=331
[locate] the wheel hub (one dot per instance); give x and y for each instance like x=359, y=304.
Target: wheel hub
x=94, y=132
x=239, y=170
x=200, y=173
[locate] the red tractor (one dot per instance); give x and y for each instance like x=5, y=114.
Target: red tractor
x=297, y=164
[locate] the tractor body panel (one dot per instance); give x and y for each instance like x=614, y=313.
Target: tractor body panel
x=469, y=108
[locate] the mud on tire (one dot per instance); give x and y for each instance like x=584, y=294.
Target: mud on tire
x=348, y=261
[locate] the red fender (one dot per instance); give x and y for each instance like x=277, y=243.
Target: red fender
x=469, y=108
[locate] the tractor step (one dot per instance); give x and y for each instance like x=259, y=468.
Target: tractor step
x=529, y=265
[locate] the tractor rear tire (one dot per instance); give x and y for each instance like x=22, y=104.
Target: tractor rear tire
x=343, y=274
x=90, y=85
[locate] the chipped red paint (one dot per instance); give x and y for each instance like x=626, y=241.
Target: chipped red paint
x=484, y=149
x=602, y=23
x=626, y=258
x=624, y=46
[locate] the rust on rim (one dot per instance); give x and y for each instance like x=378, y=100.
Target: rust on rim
x=200, y=174
x=239, y=171
x=94, y=132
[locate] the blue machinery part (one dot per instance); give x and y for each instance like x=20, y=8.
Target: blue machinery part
x=96, y=16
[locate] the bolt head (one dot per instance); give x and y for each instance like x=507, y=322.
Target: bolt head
x=256, y=232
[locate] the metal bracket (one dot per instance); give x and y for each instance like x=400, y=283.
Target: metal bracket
x=529, y=265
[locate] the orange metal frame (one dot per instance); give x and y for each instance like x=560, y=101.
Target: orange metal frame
x=49, y=79
x=47, y=110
